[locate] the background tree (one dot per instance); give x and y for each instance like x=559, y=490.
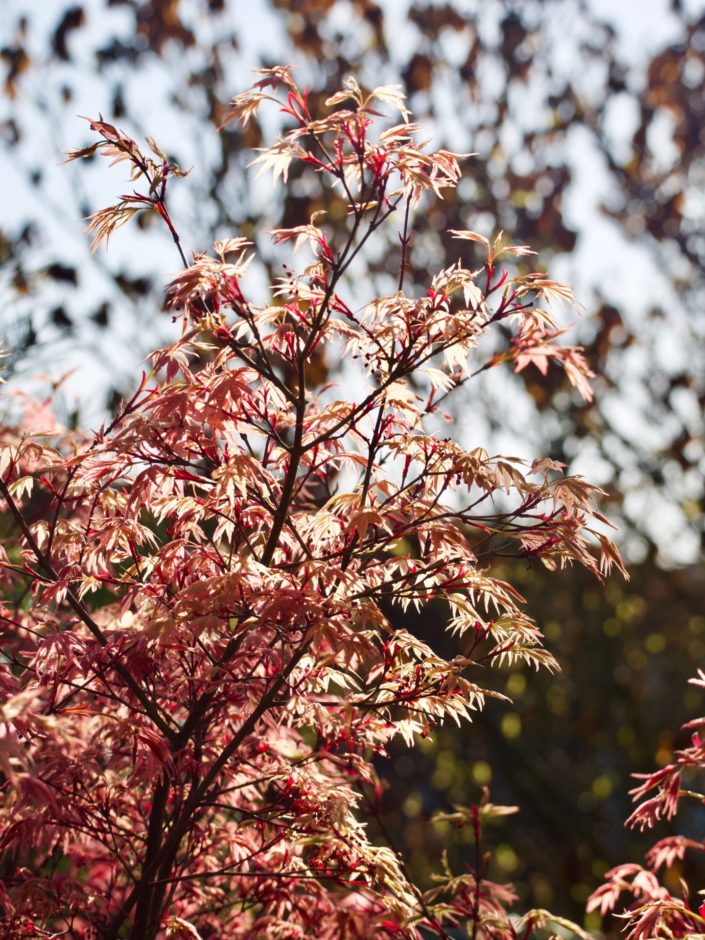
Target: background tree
x=569, y=120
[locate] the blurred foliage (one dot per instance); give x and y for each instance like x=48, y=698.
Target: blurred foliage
x=579, y=142
x=534, y=87
x=565, y=748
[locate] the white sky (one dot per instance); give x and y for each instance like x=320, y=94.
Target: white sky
x=602, y=254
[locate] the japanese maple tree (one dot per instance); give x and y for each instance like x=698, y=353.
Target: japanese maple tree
x=199, y=667
x=654, y=900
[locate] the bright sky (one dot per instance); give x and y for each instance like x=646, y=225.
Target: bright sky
x=602, y=254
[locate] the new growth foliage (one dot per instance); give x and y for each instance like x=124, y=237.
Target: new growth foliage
x=199, y=665
x=654, y=904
